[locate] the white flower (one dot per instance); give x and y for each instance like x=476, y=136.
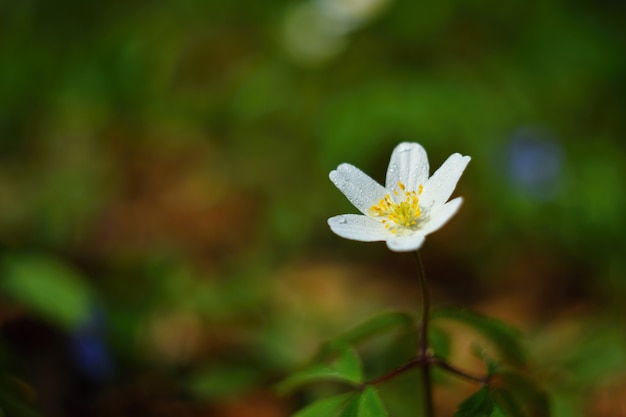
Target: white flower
x=409, y=206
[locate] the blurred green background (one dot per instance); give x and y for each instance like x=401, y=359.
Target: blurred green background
x=164, y=192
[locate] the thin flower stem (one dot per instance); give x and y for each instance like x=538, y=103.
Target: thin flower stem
x=422, y=352
x=424, y=358
x=423, y=342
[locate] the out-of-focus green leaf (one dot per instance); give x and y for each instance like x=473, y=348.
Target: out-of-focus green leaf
x=392, y=352
x=370, y=404
x=576, y=356
x=366, y=404
x=509, y=395
x=221, y=381
x=594, y=351
x=372, y=327
x=492, y=365
x=439, y=341
x=504, y=338
x=518, y=396
x=497, y=412
x=327, y=407
x=352, y=408
x=403, y=394
x=47, y=287
x=346, y=367
x=479, y=404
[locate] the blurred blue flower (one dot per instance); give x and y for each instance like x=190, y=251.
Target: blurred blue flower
x=534, y=162
x=89, y=349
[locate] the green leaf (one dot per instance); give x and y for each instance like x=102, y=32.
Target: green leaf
x=372, y=327
x=346, y=367
x=440, y=341
x=493, y=365
x=595, y=350
x=219, y=381
x=497, y=412
x=403, y=394
x=327, y=407
x=363, y=404
x=505, y=339
x=366, y=404
x=518, y=396
x=479, y=404
x=47, y=287
x=370, y=404
x=352, y=408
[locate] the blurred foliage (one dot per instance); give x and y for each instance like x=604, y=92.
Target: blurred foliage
x=163, y=192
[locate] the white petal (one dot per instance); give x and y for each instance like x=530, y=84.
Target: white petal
x=406, y=243
x=409, y=165
x=441, y=215
x=358, y=187
x=440, y=186
x=358, y=227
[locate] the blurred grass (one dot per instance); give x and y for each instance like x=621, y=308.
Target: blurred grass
x=173, y=155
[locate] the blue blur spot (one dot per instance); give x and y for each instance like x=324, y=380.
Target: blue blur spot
x=89, y=349
x=535, y=162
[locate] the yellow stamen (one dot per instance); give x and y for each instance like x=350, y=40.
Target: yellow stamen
x=402, y=215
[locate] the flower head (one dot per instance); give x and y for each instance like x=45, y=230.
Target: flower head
x=409, y=206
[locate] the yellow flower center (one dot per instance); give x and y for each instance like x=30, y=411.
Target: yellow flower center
x=405, y=214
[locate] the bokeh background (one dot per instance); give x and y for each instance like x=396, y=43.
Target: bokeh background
x=164, y=192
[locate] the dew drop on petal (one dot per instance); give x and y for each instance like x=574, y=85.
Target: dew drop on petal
x=343, y=220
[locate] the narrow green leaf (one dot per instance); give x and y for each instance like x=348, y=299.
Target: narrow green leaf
x=346, y=367
x=352, y=408
x=349, y=366
x=365, y=404
x=505, y=338
x=372, y=327
x=518, y=396
x=327, y=407
x=47, y=287
x=508, y=403
x=479, y=404
x=370, y=404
